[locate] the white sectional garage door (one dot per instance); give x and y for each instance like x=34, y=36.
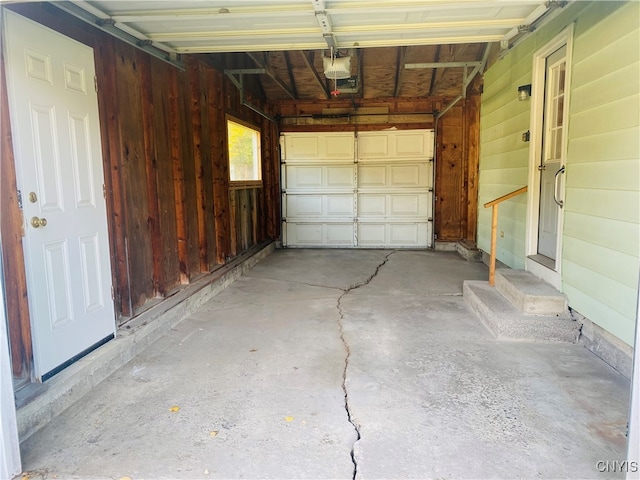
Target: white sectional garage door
x=370, y=190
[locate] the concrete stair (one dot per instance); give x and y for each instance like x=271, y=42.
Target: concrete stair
x=521, y=307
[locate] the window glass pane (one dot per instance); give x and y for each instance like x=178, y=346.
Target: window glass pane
x=560, y=111
x=558, y=144
x=244, y=152
x=562, y=75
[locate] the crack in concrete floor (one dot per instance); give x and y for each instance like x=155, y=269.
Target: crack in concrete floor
x=347, y=349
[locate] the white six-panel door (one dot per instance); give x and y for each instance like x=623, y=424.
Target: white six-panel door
x=56, y=137
x=373, y=190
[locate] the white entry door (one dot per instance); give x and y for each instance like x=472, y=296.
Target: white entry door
x=552, y=161
x=56, y=138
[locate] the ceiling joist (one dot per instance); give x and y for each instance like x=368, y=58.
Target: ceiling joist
x=309, y=63
x=272, y=75
x=448, y=37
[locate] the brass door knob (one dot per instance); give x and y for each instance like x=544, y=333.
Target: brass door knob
x=38, y=222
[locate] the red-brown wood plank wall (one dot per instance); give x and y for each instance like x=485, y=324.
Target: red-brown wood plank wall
x=169, y=200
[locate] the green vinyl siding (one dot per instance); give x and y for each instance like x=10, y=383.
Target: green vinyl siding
x=604, y=145
x=600, y=260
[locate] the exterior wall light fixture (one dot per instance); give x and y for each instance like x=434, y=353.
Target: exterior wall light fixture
x=524, y=92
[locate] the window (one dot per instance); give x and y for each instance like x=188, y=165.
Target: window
x=244, y=152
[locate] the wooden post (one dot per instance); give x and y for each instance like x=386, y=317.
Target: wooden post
x=494, y=230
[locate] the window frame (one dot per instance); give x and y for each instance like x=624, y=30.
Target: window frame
x=245, y=183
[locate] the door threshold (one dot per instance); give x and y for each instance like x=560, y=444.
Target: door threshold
x=544, y=268
x=544, y=260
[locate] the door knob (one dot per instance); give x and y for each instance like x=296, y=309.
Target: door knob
x=38, y=222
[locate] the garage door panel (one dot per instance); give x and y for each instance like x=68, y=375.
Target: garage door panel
x=373, y=145
x=304, y=177
x=339, y=147
x=382, y=198
x=340, y=177
x=339, y=234
x=400, y=234
x=372, y=175
x=413, y=205
x=395, y=176
x=311, y=147
x=340, y=206
x=395, y=145
x=372, y=205
x=409, y=175
x=411, y=145
x=372, y=234
x=413, y=234
x=303, y=147
x=303, y=206
x=404, y=205
x=320, y=234
x=319, y=177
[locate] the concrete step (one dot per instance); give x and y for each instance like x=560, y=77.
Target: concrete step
x=469, y=251
x=530, y=294
x=507, y=322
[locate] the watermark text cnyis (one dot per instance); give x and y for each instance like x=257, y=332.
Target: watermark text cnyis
x=617, y=466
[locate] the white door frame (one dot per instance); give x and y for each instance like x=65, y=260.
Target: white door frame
x=10, y=464
x=552, y=276
x=633, y=442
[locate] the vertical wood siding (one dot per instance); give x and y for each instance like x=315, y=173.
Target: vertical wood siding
x=13, y=258
x=601, y=219
x=166, y=176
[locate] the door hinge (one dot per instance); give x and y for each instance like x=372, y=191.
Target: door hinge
x=104, y=191
x=113, y=293
x=542, y=168
x=95, y=82
x=19, y=198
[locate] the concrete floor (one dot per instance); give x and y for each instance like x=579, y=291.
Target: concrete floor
x=253, y=386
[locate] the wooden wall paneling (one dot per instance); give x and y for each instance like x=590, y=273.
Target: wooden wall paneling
x=149, y=139
x=449, y=176
x=406, y=113
x=247, y=217
x=176, y=134
x=473, y=156
x=206, y=170
x=12, y=253
x=165, y=127
x=270, y=162
x=112, y=158
x=134, y=175
x=189, y=177
x=233, y=222
x=464, y=166
x=200, y=196
x=220, y=164
x=241, y=219
x=256, y=212
x=275, y=202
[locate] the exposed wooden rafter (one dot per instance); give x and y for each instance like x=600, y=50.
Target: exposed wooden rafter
x=402, y=53
x=292, y=80
x=272, y=75
x=308, y=60
x=434, y=72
